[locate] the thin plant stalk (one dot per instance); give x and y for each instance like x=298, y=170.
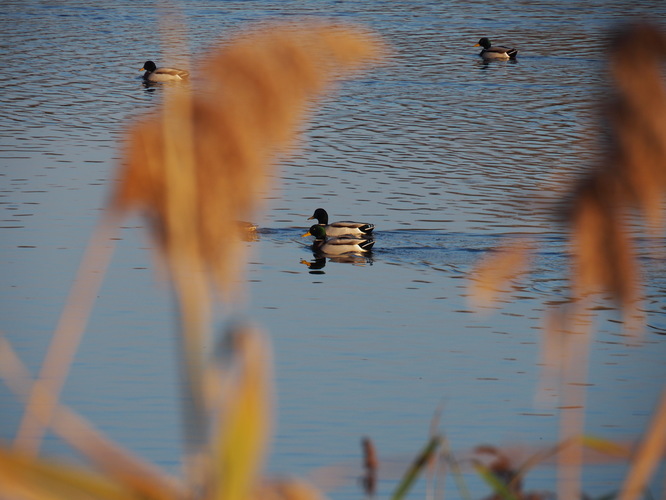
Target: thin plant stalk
x=82, y=436
x=649, y=453
x=415, y=469
x=45, y=392
x=574, y=364
x=190, y=286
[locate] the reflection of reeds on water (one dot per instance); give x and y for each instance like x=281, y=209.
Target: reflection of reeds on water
x=196, y=169
x=627, y=186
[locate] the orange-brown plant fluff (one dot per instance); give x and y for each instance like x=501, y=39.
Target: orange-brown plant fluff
x=632, y=176
x=629, y=181
x=202, y=163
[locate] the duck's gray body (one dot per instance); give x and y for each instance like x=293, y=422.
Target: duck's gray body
x=495, y=52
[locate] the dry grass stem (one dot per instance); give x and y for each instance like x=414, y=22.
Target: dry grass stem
x=497, y=269
x=602, y=211
x=117, y=462
x=370, y=467
x=631, y=179
x=648, y=456
x=286, y=489
x=66, y=338
x=203, y=163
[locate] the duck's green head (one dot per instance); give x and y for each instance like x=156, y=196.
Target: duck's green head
x=149, y=66
x=317, y=231
x=483, y=42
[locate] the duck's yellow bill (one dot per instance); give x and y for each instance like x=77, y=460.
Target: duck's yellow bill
x=306, y=234
x=477, y=45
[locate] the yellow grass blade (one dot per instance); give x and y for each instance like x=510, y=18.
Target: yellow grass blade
x=41, y=479
x=243, y=425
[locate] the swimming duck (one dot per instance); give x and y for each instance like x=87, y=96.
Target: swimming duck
x=339, y=245
x=497, y=52
x=342, y=228
x=155, y=74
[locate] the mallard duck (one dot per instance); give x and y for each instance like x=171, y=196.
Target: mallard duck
x=490, y=52
x=155, y=74
x=339, y=245
x=342, y=228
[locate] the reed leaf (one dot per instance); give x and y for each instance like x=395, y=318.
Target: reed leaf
x=650, y=452
x=499, y=487
x=118, y=464
x=242, y=429
x=28, y=477
x=415, y=469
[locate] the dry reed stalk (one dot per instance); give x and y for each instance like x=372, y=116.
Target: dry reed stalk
x=495, y=270
x=200, y=166
x=628, y=184
x=650, y=452
x=195, y=170
x=370, y=466
x=118, y=463
x=243, y=417
x=224, y=139
x=43, y=398
x=287, y=489
x=630, y=179
x=632, y=176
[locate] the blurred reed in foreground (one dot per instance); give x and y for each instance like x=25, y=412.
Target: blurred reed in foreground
x=195, y=169
x=626, y=187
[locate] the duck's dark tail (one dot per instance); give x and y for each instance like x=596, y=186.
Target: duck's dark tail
x=512, y=53
x=366, y=228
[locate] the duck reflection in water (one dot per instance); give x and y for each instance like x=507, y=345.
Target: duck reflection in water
x=319, y=261
x=341, y=245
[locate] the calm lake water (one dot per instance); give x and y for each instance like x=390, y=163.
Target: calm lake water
x=445, y=154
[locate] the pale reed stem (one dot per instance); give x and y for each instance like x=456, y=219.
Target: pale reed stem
x=648, y=455
x=82, y=436
x=44, y=394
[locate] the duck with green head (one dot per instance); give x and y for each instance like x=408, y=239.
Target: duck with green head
x=342, y=228
x=337, y=245
x=155, y=74
x=491, y=51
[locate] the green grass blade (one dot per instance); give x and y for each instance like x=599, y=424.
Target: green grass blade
x=498, y=486
x=417, y=467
